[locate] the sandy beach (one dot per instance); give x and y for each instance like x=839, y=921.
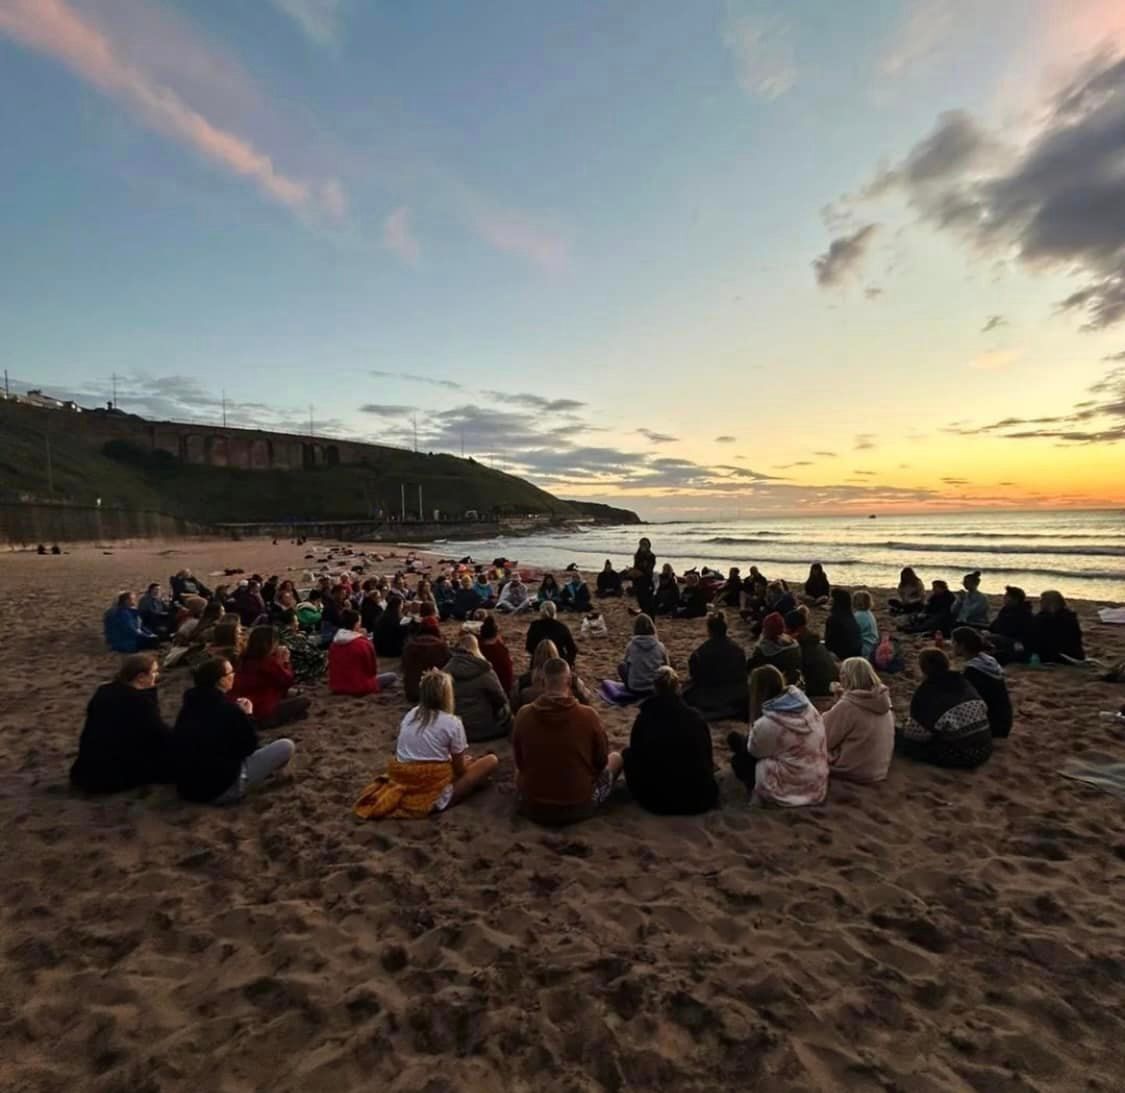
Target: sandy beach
x=942, y=931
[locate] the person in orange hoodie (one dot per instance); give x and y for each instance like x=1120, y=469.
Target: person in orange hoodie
x=424, y=649
x=264, y=676
x=352, y=666
x=496, y=653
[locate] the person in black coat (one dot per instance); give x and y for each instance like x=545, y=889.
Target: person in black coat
x=667, y=597
x=1058, y=635
x=389, y=635
x=548, y=628
x=718, y=675
x=937, y=615
x=609, y=581
x=987, y=678
x=842, y=635
x=693, y=599
x=1012, y=632
x=669, y=765
x=125, y=742
x=644, y=567
x=215, y=753
x=817, y=587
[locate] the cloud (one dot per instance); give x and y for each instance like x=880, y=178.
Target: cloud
x=843, y=256
x=826, y=455
x=319, y=20
x=398, y=237
x=956, y=481
x=413, y=377
x=657, y=438
x=790, y=466
x=388, y=409
x=56, y=29
x=1054, y=203
x=864, y=442
x=725, y=439
x=1115, y=356
x=763, y=55
x=996, y=359
x=925, y=27
x=873, y=292
x=993, y=323
x=864, y=474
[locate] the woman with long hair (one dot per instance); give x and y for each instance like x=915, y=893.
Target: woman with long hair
x=861, y=726
x=264, y=676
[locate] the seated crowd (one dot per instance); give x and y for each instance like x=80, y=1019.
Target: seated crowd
x=251, y=648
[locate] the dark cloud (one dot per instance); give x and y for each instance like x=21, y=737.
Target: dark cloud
x=657, y=438
x=1056, y=203
x=956, y=481
x=745, y=472
x=725, y=439
x=843, y=256
x=873, y=292
x=550, y=405
x=993, y=322
x=412, y=377
x=864, y=442
x=826, y=455
x=389, y=409
x=790, y=466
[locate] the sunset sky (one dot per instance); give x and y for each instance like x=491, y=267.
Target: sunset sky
x=700, y=258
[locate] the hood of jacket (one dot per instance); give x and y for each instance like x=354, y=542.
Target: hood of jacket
x=344, y=637
x=554, y=711
x=986, y=665
x=877, y=700
x=645, y=642
x=203, y=698
x=770, y=648
x=790, y=709
x=464, y=666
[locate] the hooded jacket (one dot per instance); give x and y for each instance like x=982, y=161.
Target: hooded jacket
x=543, y=629
x=515, y=596
x=124, y=631
x=789, y=743
x=479, y=700
x=353, y=668
x=785, y=656
x=496, y=653
x=210, y=740
x=842, y=635
x=860, y=731
x=424, y=650
x=609, y=582
x=669, y=766
x=389, y=635
x=1058, y=636
x=560, y=750
x=987, y=677
x=948, y=723
x=124, y=742
x=817, y=666
x=718, y=680
x=265, y=681
x=644, y=657
x=1016, y=622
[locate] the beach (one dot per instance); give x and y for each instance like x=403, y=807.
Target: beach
x=942, y=931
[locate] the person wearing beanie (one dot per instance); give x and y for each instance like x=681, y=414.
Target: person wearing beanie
x=778, y=649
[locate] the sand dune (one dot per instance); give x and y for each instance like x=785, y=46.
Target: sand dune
x=942, y=931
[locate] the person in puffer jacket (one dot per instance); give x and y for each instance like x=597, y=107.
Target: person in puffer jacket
x=784, y=760
x=645, y=655
x=987, y=678
x=860, y=728
x=352, y=666
x=479, y=700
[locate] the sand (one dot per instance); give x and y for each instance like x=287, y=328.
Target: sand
x=942, y=931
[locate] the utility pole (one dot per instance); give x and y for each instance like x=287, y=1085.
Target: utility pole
x=462, y=441
x=6, y=391
x=47, y=442
x=403, y=487
x=311, y=430
x=115, y=390
x=421, y=514
x=224, y=409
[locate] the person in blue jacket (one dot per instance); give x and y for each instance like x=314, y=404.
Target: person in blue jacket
x=124, y=631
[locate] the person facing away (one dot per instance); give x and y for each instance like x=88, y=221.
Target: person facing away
x=548, y=627
x=729, y=594
x=868, y=624
x=911, y=594
x=264, y=676
x=564, y=768
x=215, y=754
x=480, y=701
x=353, y=667
x=986, y=677
x=494, y=650
x=425, y=648
x=937, y=615
x=609, y=581
x=389, y=635
x=842, y=635
x=575, y=594
x=1057, y=637
x=125, y=742
x=124, y=631
x=1012, y=632
x=818, y=667
x=776, y=647
x=718, y=674
x=948, y=724
x=529, y=686
x=645, y=655
x=860, y=727
x=971, y=606
x=779, y=599
x=432, y=769
x=817, y=587
x=515, y=596
x=784, y=760
x=669, y=765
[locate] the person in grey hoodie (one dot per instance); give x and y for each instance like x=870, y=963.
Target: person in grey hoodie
x=987, y=677
x=645, y=655
x=478, y=698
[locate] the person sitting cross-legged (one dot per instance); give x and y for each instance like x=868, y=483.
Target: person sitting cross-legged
x=353, y=668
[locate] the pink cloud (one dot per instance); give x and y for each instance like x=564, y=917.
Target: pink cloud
x=398, y=237
x=56, y=29
x=513, y=233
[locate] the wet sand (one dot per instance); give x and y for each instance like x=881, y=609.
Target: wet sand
x=942, y=931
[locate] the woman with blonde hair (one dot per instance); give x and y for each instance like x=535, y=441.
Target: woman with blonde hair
x=529, y=686
x=432, y=768
x=482, y=704
x=861, y=726
x=645, y=655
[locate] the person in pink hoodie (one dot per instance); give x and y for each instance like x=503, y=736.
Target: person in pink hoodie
x=861, y=726
x=784, y=760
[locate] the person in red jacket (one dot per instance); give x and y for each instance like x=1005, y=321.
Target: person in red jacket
x=264, y=676
x=494, y=650
x=352, y=666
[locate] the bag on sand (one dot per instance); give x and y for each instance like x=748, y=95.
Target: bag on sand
x=888, y=655
x=594, y=627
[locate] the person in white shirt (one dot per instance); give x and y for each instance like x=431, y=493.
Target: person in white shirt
x=515, y=597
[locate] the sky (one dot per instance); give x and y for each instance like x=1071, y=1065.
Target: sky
x=702, y=260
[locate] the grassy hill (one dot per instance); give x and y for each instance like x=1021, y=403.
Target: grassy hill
x=124, y=474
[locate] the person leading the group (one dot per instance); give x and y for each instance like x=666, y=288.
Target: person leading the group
x=609, y=581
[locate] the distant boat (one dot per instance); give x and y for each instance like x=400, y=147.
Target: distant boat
x=873, y=516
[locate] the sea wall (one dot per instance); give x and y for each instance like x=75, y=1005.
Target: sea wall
x=363, y=531
x=28, y=524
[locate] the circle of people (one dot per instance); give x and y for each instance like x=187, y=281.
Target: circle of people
x=249, y=644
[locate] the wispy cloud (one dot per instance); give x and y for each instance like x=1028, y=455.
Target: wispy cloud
x=725, y=439
x=844, y=255
x=763, y=54
x=996, y=359
x=414, y=377
x=864, y=442
x=993, y=323
x=56, y=29
x=790, y=466
x=399, y=238
x=657, y=438
x=1115, y=356
x=925, y=27
x=873, y=292
x=319, y=20
x=826, y=455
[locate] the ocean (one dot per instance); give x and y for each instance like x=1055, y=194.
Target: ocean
x=1080, y=554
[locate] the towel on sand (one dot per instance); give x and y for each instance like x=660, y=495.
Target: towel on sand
x=406, y=791
x=1098, y=770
